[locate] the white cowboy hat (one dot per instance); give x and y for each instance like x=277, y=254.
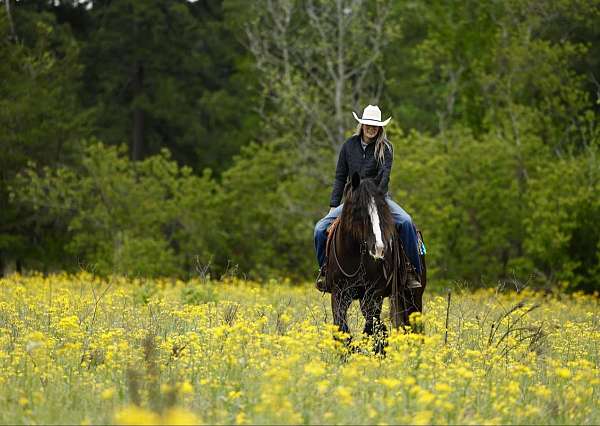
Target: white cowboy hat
x=371, y=116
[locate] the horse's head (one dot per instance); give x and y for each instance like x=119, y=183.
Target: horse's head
x=366, y=215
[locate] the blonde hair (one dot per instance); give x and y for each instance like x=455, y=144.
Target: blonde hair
x=380, y=143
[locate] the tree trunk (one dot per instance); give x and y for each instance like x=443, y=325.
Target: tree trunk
x=137, y=142
x=11, y=24
x=341, y=79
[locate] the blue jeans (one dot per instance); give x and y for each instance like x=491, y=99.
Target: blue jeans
x=403, y=222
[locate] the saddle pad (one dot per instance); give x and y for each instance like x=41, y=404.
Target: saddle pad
x=330, y=233
x=421, y=243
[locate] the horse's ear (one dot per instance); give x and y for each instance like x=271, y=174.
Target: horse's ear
x=355, y=180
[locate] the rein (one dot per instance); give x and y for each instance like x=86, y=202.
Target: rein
x=393, y=278
x=363, y=250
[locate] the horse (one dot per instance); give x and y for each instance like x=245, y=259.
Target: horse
x=366, y=262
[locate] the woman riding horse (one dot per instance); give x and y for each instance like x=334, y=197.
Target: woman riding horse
x=369, y=153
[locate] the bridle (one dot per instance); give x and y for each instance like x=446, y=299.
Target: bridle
x=361, y=266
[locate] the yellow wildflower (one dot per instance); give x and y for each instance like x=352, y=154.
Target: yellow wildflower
x=422, y=417
x=442, y=387
x=178, y=416
x=390, y=383
x=186, y=388
x=134, y=415
x=565, y=373
x=344, y=395
x=107, y=393
x=315, y=368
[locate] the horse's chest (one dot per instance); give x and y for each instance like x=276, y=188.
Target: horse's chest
x=363, y=273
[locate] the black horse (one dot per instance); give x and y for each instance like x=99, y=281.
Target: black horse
x=366, y=261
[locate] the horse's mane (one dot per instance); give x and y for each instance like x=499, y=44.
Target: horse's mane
x=355, y=213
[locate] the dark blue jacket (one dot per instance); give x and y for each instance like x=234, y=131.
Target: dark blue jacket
x=353, y=159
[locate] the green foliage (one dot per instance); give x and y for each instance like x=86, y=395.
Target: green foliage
x=148, y=218
x=491, y=209
x=168, y=73
x=499, y=102
x=563, y=231
x=471, y=62
x=194, y=294
x=464, y=193
x=269, y=214
x=40, y=120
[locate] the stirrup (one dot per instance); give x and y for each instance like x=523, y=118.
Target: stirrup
x=321, y=282
x=412, y=281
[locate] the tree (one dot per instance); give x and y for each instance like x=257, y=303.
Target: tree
x=40, y=119
x=317, y=59
x=165, y=75
x=474, y=63
x=563, y=232
x=149, y=218
x=267, y=212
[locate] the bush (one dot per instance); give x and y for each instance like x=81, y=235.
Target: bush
x=268, y=210
x=145, y=218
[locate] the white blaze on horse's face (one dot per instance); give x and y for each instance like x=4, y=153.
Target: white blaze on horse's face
x=376, y=230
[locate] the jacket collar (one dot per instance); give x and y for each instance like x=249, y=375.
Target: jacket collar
x=359, y=143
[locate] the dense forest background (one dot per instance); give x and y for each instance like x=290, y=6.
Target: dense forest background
x=155, y=137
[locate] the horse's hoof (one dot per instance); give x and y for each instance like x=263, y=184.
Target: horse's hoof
x=379, y=349
x=357, y=349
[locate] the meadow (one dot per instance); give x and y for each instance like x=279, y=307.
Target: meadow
x=83, y=350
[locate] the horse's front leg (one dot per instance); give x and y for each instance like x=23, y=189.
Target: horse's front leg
x=340, y=302
x=370, y=306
